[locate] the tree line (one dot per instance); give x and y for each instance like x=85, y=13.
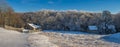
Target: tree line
x=68, y=20
x=8, y=16
x=54, y=20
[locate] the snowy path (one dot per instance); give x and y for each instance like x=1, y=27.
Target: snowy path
x=10, y=38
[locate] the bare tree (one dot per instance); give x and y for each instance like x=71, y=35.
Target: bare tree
x=2, y=10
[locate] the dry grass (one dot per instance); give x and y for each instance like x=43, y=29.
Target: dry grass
x=13, y=28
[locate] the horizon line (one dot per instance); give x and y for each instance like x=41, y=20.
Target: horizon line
x=62, y=10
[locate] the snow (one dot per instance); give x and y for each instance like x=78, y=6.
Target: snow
x=66, y=32
x=113, y=38
x=10, y=38
x=2, y=30
x=33, y=25
x=92, y=27
x=116, y=36
x=25, y=30
x=112, y=27
x=40, y=41
x=69, y=39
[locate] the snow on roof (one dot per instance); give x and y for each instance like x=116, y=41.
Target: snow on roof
x=33, y=25
x=92, y=27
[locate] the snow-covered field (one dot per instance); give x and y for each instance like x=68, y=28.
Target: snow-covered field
x=40, y=41
x=113, y=38
x=9, y=38
x=72, y=39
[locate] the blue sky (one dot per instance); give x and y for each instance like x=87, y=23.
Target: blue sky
x=85, y=5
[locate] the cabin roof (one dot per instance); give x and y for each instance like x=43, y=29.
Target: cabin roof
x=92, y=27
x=33, y=25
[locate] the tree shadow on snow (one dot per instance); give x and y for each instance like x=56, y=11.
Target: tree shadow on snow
x=110, y=39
